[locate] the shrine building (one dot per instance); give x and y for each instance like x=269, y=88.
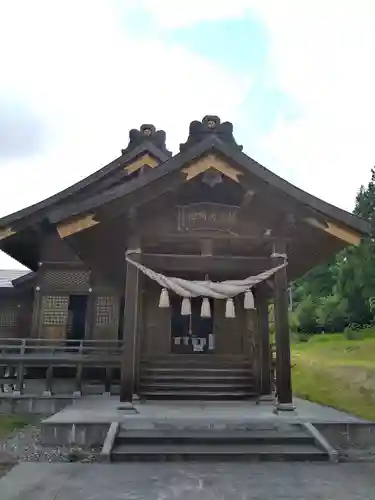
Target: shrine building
x=176, y=257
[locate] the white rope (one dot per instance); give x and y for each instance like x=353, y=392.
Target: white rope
x=215, y=290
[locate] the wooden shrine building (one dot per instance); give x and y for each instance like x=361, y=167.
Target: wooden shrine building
x=209, y=213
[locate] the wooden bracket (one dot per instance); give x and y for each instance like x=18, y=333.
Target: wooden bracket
x=344, y=234
x=211, y=161
x=144, y=160
x=6, y=232
x=76, y=224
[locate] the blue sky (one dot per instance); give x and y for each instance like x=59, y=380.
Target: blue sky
x=294, y=77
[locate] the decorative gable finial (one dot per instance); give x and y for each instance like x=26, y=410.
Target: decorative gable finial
x=147, y=133
x=210, y=124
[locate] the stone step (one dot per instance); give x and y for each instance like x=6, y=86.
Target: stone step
x=244, y=451
x=204, y=394
x=212, y=436
x=195, y=385
x=198, y=359
x=197, y=377
x=200, y=370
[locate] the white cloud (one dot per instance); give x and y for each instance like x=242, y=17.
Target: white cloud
x=321, y=56
x=91, y=82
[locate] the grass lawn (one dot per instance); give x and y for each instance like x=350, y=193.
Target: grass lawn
x=337, y=372
x=9, y=423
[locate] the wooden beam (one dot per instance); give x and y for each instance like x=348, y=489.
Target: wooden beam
x=283, y=366
x=344, y=234
x=5, y=232
x=76, y=224
x=211, y=161
x=265, y=353
x=128, y=364
x=205, y=263
x=144, y=160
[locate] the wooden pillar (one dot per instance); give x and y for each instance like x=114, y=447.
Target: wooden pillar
x=35, y=333
x=263, y=325
x=252, y=338
x=283, y=366
x=128, y=364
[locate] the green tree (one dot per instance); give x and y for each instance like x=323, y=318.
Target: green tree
x=333, y=313
x=305, y=316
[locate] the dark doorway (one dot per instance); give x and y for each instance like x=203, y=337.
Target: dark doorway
x=191, y=334
x=77, y=317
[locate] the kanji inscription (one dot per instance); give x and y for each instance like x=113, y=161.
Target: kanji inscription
x=207, y=216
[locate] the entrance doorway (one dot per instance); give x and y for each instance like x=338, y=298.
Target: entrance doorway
x=191, y=334
x=77, y=317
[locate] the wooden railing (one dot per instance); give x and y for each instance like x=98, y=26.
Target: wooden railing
x=48, y=347
x=19, y=357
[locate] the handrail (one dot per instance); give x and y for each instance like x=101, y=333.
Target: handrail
x=25, y=346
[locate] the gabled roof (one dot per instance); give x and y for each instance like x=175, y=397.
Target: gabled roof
x=209, y=144
x=20, y=233
x=84, y=184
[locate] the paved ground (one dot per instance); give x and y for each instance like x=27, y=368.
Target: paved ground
x=99, y=409
x=188, y=481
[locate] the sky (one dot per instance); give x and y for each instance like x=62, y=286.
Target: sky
x=295, y=78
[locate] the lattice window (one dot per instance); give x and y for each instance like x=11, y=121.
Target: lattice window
x=67, y=279
x=8, y=317
x=105, y=310
x=55, y=310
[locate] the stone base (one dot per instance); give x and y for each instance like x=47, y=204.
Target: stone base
x=285, y=407
x=127, y=407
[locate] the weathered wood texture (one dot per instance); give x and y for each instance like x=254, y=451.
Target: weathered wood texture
x=105, y=323
x=129, y=361
x=53, y=316
x=9, y=317
x=229, y=333
x=156, y=323
x=282, y=333
x=264, y=339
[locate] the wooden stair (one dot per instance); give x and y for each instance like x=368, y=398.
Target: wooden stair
x=286, y=443
x=196, y=377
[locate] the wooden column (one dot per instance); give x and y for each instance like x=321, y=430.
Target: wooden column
x=283, y=366
x=128, y=365
x=35, y=333
x=264, y=337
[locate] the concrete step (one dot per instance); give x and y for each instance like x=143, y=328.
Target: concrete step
x=195, y=385
x=204, y=436
x=177, y=394
x=203, y=359
x=244, y=451
x=195, y=370
x=197, y=377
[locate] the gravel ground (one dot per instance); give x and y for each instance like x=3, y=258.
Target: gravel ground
x=24, y=445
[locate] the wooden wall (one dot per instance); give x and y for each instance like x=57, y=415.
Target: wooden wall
x=9, y=317
x=15, y=314
x=106, y=313
x=230, y=333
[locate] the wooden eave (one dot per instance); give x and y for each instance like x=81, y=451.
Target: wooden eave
x=40, y=208
x=23, y=229
x=177, y=162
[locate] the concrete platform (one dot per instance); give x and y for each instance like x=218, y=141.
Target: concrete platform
x=87, y=420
